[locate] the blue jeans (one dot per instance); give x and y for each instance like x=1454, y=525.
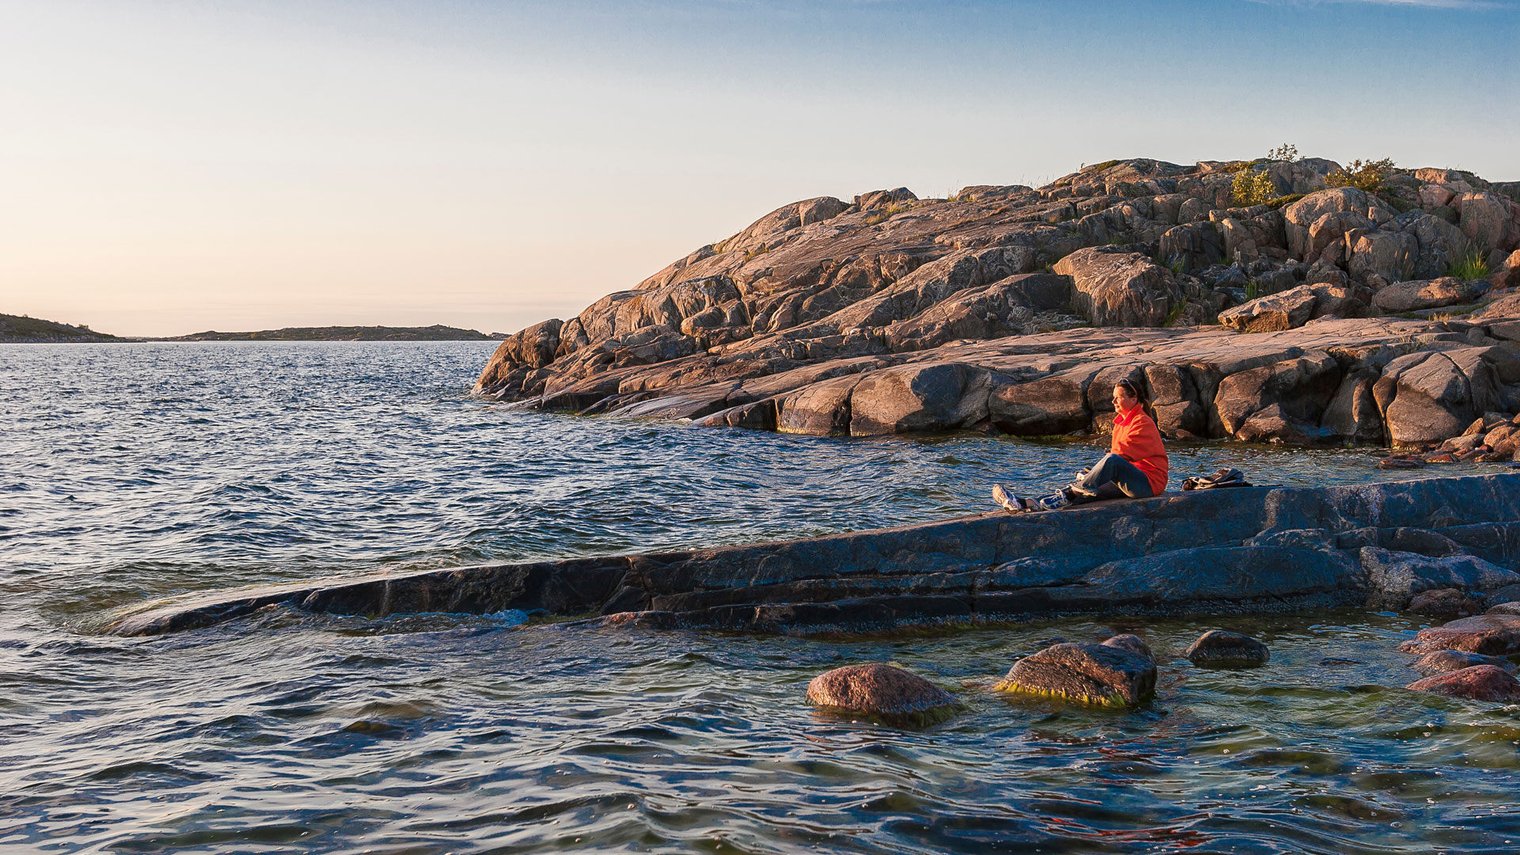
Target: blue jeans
x=1112, y=477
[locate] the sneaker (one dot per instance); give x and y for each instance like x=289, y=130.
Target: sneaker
x=1052, y=502
x=1011, y=504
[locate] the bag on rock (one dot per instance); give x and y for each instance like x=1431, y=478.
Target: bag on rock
x=1223, y=478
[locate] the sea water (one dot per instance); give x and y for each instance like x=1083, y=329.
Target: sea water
x=136, y=471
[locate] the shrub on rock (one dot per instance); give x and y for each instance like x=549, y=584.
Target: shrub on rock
x=1479, y=683
x=1219, y=648
x=882, y=691
x=1096, y=674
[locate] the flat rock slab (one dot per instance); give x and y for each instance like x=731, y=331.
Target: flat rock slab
x=1252, y=549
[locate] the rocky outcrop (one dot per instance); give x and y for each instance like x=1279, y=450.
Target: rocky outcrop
x=884, y=692
x=1245, y=549
x=1097, y=674
x=1022, y=301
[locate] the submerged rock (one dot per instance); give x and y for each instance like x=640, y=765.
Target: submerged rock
x=882, y=691
x=1493, y=634
x=1442, y=661
x=1219, y=648
x=1097, y=674
x=1478, y=682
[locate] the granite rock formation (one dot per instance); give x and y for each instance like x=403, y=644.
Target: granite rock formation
x=1007, y=308
x=1249, y=549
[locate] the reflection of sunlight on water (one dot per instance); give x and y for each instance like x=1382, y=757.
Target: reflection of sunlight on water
x=212, y=466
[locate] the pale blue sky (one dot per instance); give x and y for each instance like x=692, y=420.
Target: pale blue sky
x=175, y=166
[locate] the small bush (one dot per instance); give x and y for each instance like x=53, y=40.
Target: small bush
x=1468, y=267
x=1253, y=290
x=1252, y=188
x=1099, y=167
x=896, y=208
x=1283, y=201
x=1364, y=175
x=875, y=217
x=1285, y=153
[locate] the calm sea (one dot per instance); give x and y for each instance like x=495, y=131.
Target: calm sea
x=132, y=472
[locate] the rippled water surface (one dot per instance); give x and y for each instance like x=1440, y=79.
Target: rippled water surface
x=131, y=472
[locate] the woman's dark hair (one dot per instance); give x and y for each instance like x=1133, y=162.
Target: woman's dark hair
x=1134, y=390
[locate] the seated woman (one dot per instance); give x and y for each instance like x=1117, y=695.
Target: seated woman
x=1135, y=467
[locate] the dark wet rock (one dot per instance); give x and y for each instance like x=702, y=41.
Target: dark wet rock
x=882, y=691
x=1220, y=648
x=1442, y=661
x=1251, y=549
x=1395, y=576
x=1491, y=634
x=1096, y=674
x=1132, y=643
x=1478, y=682
x=1446, y=603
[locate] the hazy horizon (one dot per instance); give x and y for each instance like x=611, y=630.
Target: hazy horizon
x=174, y=167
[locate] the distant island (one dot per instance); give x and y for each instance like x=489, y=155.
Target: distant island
x=436, y=332
x=21, y=328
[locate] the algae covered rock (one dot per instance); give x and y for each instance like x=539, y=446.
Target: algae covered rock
x=1220, y=648
x=882, y=691
x=1105, y=675
x=1479, y=683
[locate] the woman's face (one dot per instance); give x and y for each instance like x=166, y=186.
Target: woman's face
x=1123, y=400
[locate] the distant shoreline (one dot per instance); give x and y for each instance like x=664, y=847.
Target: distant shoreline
x=19, y=329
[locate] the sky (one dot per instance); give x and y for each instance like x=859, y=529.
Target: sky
x=171, y=167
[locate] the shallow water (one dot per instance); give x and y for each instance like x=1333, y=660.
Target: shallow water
x=136, y=471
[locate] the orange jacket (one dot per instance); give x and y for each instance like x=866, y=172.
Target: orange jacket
x=1137, y=440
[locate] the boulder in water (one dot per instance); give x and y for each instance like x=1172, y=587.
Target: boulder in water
x=882, y=691
x=1219, y=648
x=1493, y=634
x=1443, y=661
x=1098, y=674
x=1479, y=683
